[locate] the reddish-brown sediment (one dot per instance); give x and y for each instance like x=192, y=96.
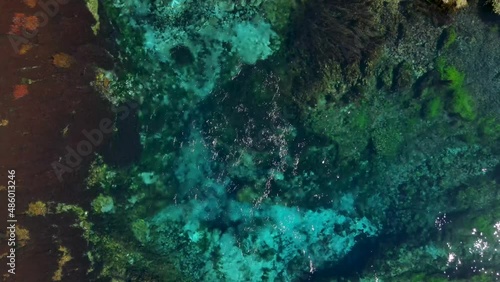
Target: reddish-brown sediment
x=46, y=107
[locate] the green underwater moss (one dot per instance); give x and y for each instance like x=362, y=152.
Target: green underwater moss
x=434, y=108
x=460, y=102
x=450, y=36
x=463, y=105
x=489, y=128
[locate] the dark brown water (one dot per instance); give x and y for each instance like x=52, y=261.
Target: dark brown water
x=34, y=137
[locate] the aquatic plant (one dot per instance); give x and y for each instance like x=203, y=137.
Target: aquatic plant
x=403, y=76
x=239, y=253
x=248, y=195
x=434, y=108
x=447, y=5
x=495, y=5
x=22, y=236
x=100, y=175
x=337, y=31
x=461, y=103
x=347, y=127
x=449, y=37
x=65, y=257
x=489, y=128
x=119, y=258
x=418, y=277
x=140, y=229
x=244, y=212
x=451, y=74
x=37, y=208
x=194, y=52
x=485, y=224
x=438, y=12
x=481, y=277
x=455, y=4
x=103, y=204
x=278, y=12
x=93, y=7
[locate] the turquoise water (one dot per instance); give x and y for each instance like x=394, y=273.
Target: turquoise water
x=301, y=141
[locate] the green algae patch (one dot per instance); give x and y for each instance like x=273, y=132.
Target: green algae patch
x=93, y=6
x=460, y=101
x=463, y=105
x=453, y=75
x=448, y=37
x=489, y=128
x=434, y=108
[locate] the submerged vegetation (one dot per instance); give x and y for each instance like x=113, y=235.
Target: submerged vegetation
x=461, y=103
x=274, y=140
x=336, y=32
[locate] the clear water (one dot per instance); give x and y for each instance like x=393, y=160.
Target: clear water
x=287, y=141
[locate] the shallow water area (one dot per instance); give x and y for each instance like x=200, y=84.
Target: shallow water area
x=272, y=141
